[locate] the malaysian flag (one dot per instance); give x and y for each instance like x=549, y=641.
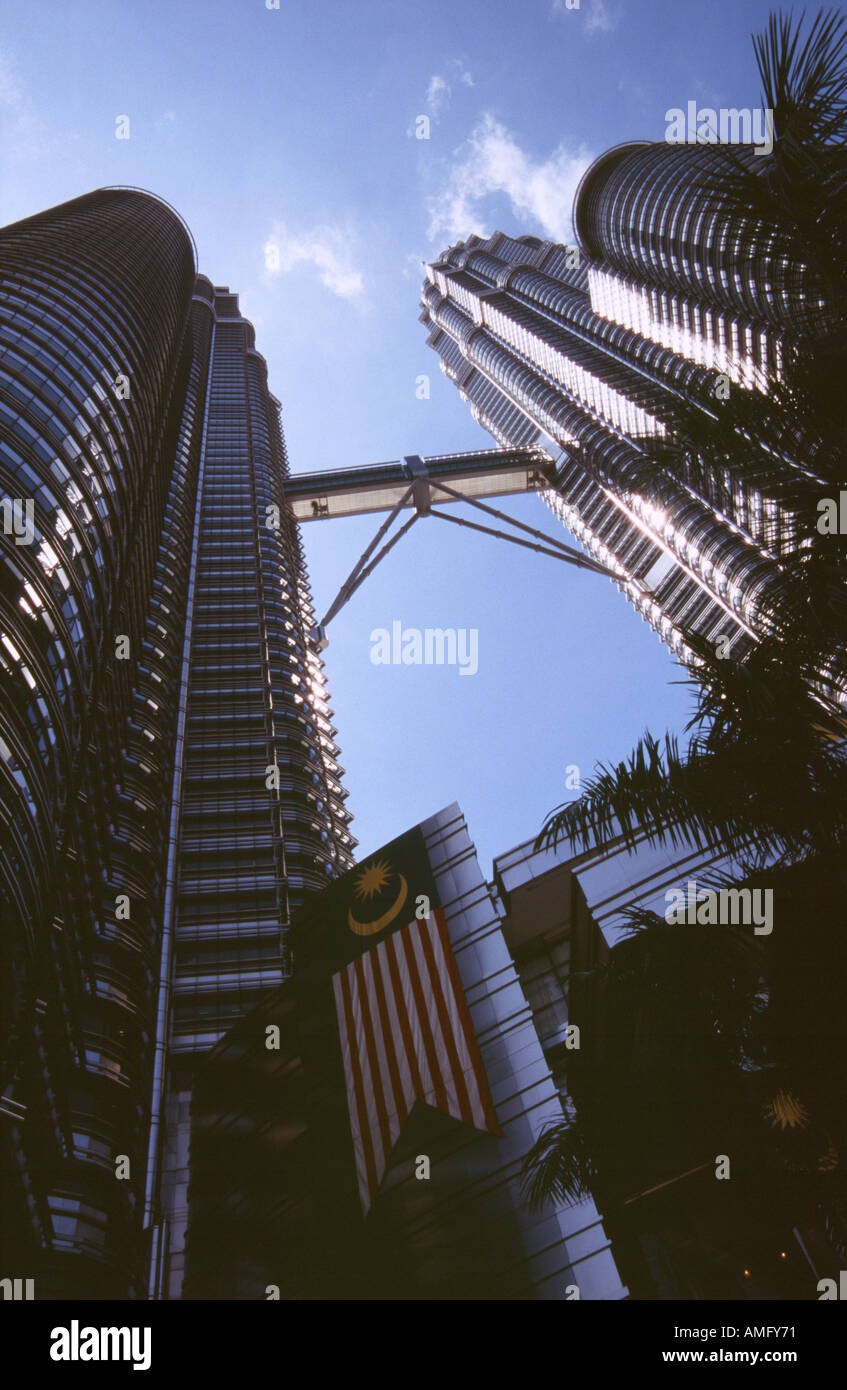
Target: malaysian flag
x=405, y=1029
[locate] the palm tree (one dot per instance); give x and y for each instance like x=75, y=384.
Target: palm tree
x=786, y=444
x=763, y=775
x=665, y=1087
x=687, y=1063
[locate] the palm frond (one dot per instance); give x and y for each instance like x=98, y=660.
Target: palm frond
x=559, y=1167
x=804, y=78
x=658, y=796
x=679, y=976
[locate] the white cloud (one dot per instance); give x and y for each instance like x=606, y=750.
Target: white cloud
x=491, y=162
x=414, y=265
x=442, y=85
x=598, y=18
x=25, y=134
x=327, y=248
x=436, y=93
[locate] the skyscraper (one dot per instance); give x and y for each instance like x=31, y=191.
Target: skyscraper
x=372, y=1149
x=169, y=784
x=669, y=300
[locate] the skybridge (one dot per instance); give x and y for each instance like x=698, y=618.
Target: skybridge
x=421, y=487
x=380, y=487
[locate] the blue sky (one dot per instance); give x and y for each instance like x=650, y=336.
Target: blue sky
x=295, y=128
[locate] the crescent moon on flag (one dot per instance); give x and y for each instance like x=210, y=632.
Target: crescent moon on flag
x=371, y=928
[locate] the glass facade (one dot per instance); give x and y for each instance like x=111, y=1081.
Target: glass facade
x=94, y=355
x=651, y=211
x=275, y=1208
x=169, y=781
x=598, y=350
x=261, y=818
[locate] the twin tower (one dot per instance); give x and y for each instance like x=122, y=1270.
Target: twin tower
x=170, y=790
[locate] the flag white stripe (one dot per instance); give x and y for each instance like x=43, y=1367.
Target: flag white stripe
x=460, y=1041
x=405, y=1020
x=364, y=1025
x=410, y=1010
x=397, y=1031
x=431, y=1008
x=352, y=1098
x=389, y=1107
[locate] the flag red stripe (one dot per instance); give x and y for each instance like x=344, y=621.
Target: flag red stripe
x=367, y=1023
x=423, y=1019
x=388, y=1038
x=467, y=1025
x=456, y=1069
x=402, y=1014
x=364, y=1126
x=406, y=1032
